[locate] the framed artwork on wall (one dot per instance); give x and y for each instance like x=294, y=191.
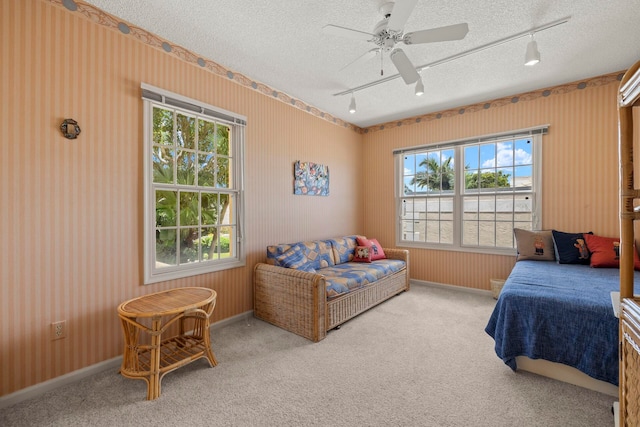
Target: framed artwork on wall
x=310, y=179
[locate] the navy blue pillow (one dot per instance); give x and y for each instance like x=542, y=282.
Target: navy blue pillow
x=570, y=248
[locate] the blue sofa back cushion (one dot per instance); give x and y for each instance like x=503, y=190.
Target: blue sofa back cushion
x=318, y=253
x=344, y=249
x=343, y=278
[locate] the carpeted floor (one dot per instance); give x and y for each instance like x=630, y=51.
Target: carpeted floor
x=419, y=359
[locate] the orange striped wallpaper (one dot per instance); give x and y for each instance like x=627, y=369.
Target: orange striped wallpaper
x=71, y=211
x=580, y=169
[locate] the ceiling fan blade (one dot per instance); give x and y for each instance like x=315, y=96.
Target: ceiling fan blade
x=400, y=13
x=346, y=32
x=362, y=58
x=405, y=67
x=441, y=34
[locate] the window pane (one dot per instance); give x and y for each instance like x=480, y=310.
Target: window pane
x=188, y=208
x=166, y=208
x=523, y=207
x=421, y=178
x=222, y=140
x=479, y=219
x=188, y=245
x=504, y=208
x=488, y=178
x=206, y=136
x=446, y=232
x=207, y=244
x=504, y=154
x=226, y=241
x=487, y=155
x=206, y=170
x=162, y=126
x=447, y=170
x=162, y=165
x=185, y=131
x=186, y=164
x=223, y=176
x=409, y=185
x=209, y=215
x=504, y=234
x=470, y=232
x=227, y=207
x=486, y=233
x=471, y=157
x=522, y=177
x=165, y=248
x=523, y=152
x=409, y=165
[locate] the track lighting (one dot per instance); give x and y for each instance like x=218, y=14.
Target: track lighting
x=352, y=105
x=419, y=87
x=533, y=55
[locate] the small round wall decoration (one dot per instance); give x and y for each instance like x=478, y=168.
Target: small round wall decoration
x=70, y=129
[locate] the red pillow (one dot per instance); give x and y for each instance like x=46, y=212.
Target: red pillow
x=376, y=248
x=362, y=254
x=605, y=252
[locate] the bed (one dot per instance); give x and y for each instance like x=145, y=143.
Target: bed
x=560, y=313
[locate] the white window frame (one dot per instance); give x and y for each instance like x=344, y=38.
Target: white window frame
x=534, y=133
x=153, y=96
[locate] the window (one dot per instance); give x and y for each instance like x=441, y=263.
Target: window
x=470, y=195
x=193, y=187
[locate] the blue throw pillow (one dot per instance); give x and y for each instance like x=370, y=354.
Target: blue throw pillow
x=570, y=248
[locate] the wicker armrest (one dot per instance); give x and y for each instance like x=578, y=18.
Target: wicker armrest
x=292, y=299
x=393, y=253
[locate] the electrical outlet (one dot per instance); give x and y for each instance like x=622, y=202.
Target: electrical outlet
x=59, y=330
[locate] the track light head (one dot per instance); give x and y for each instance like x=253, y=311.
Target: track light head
x=419, y=87
x=532, y=56
x=352, y=104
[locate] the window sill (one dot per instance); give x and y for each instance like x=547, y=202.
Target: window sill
x=452, y=248
x=192, y=271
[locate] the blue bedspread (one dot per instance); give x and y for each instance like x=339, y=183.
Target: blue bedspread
x=561, y=313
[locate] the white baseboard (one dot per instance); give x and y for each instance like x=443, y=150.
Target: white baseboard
x=46, y=386
x=450, y=287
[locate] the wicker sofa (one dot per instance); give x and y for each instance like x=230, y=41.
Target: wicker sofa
x=324, y=287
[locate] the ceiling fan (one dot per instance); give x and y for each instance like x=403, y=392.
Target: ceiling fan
x=390, y=31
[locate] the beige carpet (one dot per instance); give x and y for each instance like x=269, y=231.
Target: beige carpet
x=419, y=359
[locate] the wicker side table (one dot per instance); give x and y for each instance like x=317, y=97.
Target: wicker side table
x=190, y=307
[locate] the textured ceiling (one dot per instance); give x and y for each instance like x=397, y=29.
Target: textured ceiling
x=281, y=43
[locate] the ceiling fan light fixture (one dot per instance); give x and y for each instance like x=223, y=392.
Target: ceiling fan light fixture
x=532, y=56
x=352, y=105
x=419, y=87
